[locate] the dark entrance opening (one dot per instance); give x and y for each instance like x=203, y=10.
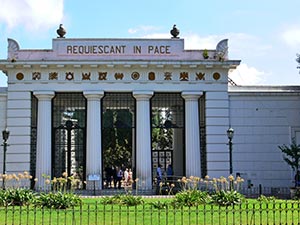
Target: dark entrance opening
x=69, y=136
x=118, y=135
x=168, y=133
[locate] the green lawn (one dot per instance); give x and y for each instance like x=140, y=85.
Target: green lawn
x=92, y=212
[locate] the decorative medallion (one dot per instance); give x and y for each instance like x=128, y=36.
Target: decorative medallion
x=69, y=75
x=168, y=76
x=216, y=76
x=86, y=76
x=102, y=75
x=53, y=76
x=119, y=76
x=20, y=76
x=135, y=76
x=36, y=75
x=184, y=76
x=151, y=76
x=200, y=76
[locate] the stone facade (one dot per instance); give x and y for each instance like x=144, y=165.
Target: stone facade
x=262, y=117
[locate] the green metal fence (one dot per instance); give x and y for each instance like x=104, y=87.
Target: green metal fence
x=285, y=212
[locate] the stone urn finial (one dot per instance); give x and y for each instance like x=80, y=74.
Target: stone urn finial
x=174, y=32
x=61, y=31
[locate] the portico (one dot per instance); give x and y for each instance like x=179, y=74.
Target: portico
x=118, y=96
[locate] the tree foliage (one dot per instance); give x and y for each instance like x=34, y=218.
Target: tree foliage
x=117, y=141
x=162, y=134
x=291, y=154
x=298, y=60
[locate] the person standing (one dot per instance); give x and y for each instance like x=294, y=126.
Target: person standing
x=297, y=179
x=109, y=176
x=115, y=178
x=169, y=172
x=119, y=177
x=130, y=178
x=159, y=179
x=126, y=177
x=159, y=174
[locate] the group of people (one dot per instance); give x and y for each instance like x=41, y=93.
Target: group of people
x=169, y=173
x=116, y=177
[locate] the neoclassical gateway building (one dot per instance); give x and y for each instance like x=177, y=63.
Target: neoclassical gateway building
x=87, y=105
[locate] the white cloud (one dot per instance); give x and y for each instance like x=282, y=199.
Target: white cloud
x=194, y=41
x=240, y=46
x=245, y=75
x=31, y=14
x=3, y=79
x=157, y=35
x=292, y=37
x=142, y=29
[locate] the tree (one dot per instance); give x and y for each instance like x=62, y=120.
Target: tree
x=162, y=129
x=298, y=61
x=291, y=155
x=117, y=141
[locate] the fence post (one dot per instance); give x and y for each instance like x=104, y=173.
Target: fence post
x=259, y=189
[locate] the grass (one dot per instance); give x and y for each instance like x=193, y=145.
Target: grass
x=92, y=212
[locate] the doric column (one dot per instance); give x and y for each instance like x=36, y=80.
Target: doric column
x=143, y=139
x=93, y=140
x=43, y=143
x=192, y=133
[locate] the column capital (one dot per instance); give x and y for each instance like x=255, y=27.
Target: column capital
x=44, y=95
x=142, y=95
x=93, y=95
x=191, y=95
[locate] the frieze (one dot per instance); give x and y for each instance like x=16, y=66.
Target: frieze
x=134, y=76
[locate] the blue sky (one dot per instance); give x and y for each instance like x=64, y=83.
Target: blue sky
x=264, y=34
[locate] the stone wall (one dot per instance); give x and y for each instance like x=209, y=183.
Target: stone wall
x=263, y=118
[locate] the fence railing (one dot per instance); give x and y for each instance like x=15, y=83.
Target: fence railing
x=253, y=192
x=285, y=212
